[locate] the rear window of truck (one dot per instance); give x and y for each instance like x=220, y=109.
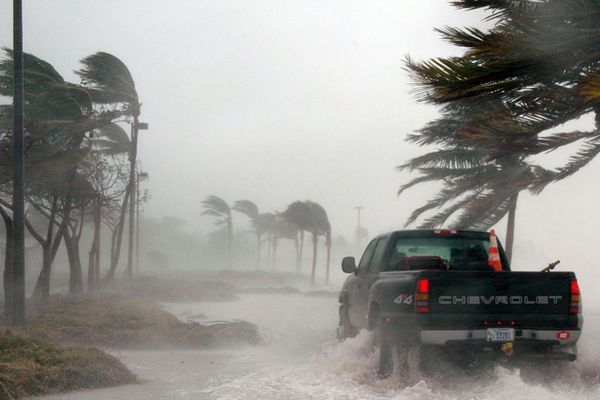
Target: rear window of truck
x=439, y=252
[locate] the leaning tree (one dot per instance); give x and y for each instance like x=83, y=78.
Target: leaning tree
x=535, y=69
x=111, y=85
x=217, y=207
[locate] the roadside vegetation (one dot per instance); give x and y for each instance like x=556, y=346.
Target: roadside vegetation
x=80, y=165
x=30, y=367
x=119, y=322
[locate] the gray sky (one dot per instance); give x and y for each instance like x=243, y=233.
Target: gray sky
x=279, y=100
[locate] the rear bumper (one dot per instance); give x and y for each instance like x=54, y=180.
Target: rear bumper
x=479, y=337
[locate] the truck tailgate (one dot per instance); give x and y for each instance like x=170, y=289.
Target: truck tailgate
x=530, y=298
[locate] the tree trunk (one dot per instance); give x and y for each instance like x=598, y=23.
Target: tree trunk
x=72, y=238
x=258, y=235
x=269, y=246
x=94, y=249
x=98, y=228
x=8, y=263
x=510, y=227
x=328, y=245
x=301, y=251
x=50, y=245
x=75, y=275
x=91, y=268
x=117, y=240
x=315, y=240
x=274, y=260
x=41, y=292
x=297, y=247
x=229, y=240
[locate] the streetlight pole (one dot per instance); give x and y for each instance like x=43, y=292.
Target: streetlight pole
x=17, y=291
x=140, y=176
x=137, y=222
x=358, y=208
x=136, y=126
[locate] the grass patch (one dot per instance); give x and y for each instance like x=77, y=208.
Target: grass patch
x=31, y=367
x=113, y=321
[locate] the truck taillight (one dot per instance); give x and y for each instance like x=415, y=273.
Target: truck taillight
x=575, y=298
x=422, y=296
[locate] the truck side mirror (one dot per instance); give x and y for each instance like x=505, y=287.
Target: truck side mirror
x=349, y=265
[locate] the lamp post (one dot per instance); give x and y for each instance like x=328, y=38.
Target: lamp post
x=358, y=209
x=141, y=175
x=136, y=126
x=17, y=275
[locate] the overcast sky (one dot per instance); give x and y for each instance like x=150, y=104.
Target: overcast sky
x=279, y=100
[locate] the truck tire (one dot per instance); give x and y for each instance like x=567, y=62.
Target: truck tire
x=344, y=330
x=385, y=366
x=402, y=357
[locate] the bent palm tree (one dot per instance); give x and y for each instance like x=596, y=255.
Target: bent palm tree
x=110, y=83
x=257, y=221
x=218, y=208
x=311, y=217
x=537, y=68
x=320, y=220
x=297, y=214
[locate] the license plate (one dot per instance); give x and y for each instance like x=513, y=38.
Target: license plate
x=500, y=334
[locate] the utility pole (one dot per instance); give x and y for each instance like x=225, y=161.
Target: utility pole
x=136, y=126
x=17, y=291
x=358, y=209
x=140, y=176
x=137, y=222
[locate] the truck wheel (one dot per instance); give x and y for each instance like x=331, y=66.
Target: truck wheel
x=386, y=355
x=344, y=330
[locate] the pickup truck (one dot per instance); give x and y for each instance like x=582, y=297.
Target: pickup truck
x=434, y=289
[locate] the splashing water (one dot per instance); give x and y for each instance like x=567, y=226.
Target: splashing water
x=317, y=367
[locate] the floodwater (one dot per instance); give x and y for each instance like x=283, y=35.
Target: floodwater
x=301, y=360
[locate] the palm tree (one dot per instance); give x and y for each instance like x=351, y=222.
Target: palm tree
x=320, y=220
x=103, y=169
x=267, y=221
x=479, y=195
x=472, y=166
x=281, y=228
x=257, y=220
x=311, y=217
x=532, y=44
x=110, y=82
x=58, y=115
x=540, y=62
x=298, y=215
x=535, y=69
x=218, y=208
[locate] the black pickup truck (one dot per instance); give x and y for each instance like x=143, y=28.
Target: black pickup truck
x=435, y=289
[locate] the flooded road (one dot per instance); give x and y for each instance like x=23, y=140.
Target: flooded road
x=301, y=360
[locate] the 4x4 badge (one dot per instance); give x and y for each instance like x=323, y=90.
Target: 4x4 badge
x=404, y=299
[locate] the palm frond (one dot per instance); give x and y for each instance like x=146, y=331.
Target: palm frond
x=447, y=158
x=107, y=73
x=485, y=210
x=442, y=216
x=216, y=206
x=248, y=208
